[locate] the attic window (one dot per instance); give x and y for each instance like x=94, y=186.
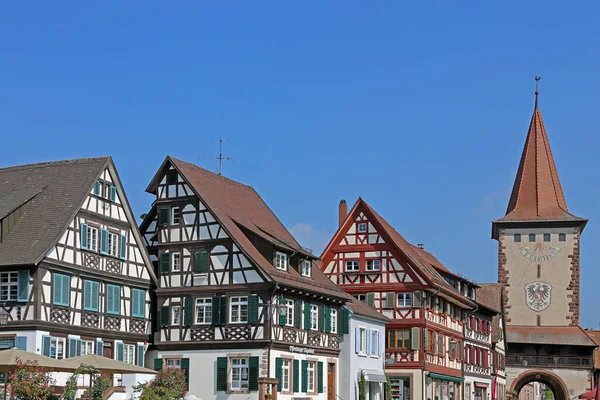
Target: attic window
x=171, y=177
x=306, y=268
x=281, y=261
x=362, y=227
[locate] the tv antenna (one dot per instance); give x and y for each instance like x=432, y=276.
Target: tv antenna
x=220, y=158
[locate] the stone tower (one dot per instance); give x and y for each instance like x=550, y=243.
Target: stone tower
x=538, y=241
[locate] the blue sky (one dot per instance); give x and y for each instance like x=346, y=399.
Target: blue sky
x=419, y=107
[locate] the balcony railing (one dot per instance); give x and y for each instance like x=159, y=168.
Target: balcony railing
x=549, y=361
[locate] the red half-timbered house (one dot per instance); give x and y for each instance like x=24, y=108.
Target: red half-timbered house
x=371, y=261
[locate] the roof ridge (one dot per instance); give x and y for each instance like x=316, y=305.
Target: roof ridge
x=213, y=173
x=52, y=163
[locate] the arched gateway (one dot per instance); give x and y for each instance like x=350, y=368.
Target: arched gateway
x=549, y=378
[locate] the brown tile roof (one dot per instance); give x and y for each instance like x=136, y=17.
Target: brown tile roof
x=537, y=193
x=558, y=335
x=237, y=207
x=55, y=191
x=364, y=310
x=417, y=258
x=595, y=336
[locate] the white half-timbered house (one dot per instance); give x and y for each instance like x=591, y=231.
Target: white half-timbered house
x=239, y=306
x=371, y=261
x=75, y=277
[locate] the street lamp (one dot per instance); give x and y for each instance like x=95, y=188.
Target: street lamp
x=3, y=316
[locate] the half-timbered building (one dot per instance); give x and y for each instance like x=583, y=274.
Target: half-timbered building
x=240, y=306
x=369, y=259
x=75, y=277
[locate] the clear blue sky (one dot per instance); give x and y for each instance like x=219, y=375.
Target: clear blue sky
x=420, y=107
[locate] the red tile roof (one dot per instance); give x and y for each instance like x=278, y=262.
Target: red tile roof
x=361, y=308
x=558, y=335
x=537, y=193
x=595, y=336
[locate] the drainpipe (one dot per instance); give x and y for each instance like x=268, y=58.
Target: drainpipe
x=270, y=329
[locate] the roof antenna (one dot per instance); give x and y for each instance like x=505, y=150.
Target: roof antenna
x=220, y=158
x=537, y=79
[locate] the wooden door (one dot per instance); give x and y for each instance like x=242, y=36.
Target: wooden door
x=108, y=353
x=331, y=395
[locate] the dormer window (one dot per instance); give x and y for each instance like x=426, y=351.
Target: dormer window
x=105, y=191
x=362, y=227
x=306, y=268
x=281, y=261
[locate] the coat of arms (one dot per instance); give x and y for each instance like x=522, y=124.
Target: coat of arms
x=537, y=295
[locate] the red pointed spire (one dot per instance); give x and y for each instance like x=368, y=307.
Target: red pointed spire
x=537, y=193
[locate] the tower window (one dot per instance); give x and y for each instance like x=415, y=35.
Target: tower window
x=532, y=237
x=539, y=271
x=517, y=238
x=562, y=237
x=546, y=237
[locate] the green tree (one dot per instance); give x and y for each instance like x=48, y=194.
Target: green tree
x=29, y=382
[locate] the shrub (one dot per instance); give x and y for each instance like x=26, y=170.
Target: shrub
x=169, y=384
x=29, y=382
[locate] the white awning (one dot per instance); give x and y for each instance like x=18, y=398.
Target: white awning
x=374, y=376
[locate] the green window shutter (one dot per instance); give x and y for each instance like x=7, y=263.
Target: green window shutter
x=253, y=309
x=296, y=376
x=371, y=299
x=278, y=371
x=46, y=346
x=72, y=351
x=327, y=319
x=321, y=318
x=158, y=364
x=135, y=306
x=201, y=261
x=185, y=366
x=221, y=374
x=425, y=339
x=21, y=343
x=216, y=309
x=307, y=315
x=343, y=321
x=282, y=318
x=97, y=188
x=113, y=194
x=320, y=377
x=103, y=241
x=23, y=294
x=109, y=299
x=94, y=295
x=113, y=299
x=223, y=311
x=390, y=298
x=100, y=347
x=66, y=290
x=140, y=355
x=253, y=374
x=165, y=263
x=188, y=312
x=304, y=376
x=120, y=348
x=415, y=338
x=123, y=247
x=83, y=236
x=417, y=299
x=163, y=216
x=87, y=295
x=298, y=310
x=165, y=315
x=61, y=286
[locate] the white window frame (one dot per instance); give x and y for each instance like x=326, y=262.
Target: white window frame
x=404, y=300
x=113, y=244
x=54, y=342
x=9, y=286
x=310, y=371
x=361, y=297
x=285, y=374
x=204, y=303
x=87, y=347
x=281, y=261
x=175, y=215
x=306, y=264
x=314, y=317
x=239, y=304
x=289, y=313
x=354, y=264
x=92, y=238
x=175, y=266
x=176, y=316
x=375, y=343
x=362, y=350
x=373, y=264
x=173, y=363
x=359, y=225
x=333, y=321
x=129, y=353
x=239, y=366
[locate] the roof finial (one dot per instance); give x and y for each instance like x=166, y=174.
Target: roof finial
x=537, y=79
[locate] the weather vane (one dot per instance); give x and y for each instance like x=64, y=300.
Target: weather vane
x=537, y=79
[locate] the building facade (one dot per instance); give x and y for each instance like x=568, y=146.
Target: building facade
x=425, y=302
x=240, y=306
x=75, y=276
x=538, y=268
x=477, y=363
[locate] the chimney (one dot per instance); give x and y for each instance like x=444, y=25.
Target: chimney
x=342, y=212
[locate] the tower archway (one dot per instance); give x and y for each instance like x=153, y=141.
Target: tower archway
x=549, y=378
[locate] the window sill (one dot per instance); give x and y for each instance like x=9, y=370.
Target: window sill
x=362, y=355
x=237, y=392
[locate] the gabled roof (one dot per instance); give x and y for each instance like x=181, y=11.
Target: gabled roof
x=54, y=192
x=411, y=252
x=537, y=194
x=556, y=335
x=238, y=207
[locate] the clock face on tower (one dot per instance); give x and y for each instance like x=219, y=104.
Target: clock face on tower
x=539, y=252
